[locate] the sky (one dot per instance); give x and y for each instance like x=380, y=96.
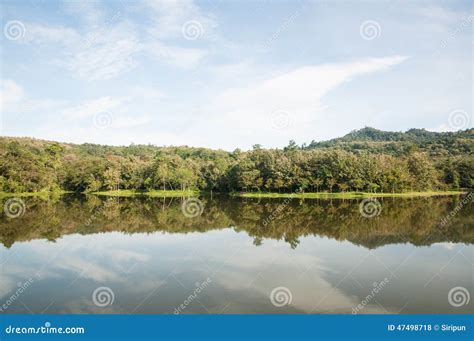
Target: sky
x=231, y=74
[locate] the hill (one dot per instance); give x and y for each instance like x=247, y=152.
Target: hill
x=402, y=143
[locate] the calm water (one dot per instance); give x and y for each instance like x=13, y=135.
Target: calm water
x=323, y=256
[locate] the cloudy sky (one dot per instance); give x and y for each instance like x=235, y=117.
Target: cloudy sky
x=230, y=74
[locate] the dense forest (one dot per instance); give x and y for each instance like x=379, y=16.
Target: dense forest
x=367, y=160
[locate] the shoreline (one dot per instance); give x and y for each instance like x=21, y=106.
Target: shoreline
x=346, y=195
x=190, y=193
x=156, y=193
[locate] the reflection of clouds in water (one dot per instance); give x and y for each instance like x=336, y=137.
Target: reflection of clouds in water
x=84, y=305
x=79, y=255
x=86, y=269
x=255, y=271
x=307, y=289
x=126, y=256
x=19, y=270
x=7, y=285
x=448, y=246
x=246, y=275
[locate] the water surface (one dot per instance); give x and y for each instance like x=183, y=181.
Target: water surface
x=322, y=256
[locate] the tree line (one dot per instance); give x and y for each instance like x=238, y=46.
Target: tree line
x=30, y=165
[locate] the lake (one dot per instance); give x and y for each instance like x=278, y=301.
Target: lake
x=88, y=254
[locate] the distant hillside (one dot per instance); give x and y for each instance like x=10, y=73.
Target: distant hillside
x=402, y=143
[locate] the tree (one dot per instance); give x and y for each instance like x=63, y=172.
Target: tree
x=330, y=183
x=317, y=183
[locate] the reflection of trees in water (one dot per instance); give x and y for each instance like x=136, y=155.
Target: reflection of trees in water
x=415, y=220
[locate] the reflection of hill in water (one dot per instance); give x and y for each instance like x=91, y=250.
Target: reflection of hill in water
x=415, y=221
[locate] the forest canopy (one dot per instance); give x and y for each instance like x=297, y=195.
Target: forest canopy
x=366, y=160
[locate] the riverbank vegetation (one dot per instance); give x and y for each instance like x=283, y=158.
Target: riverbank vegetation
x=368, y=160
x=153, y=193
x=343, y=195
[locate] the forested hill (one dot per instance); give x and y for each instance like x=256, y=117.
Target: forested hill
x=364, y=160
x=399, y=143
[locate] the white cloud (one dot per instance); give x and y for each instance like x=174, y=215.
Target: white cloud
x=13, y=99
x=131, y=121
x=89, y=11
x=103, y=61
x=10, y=93
x=90, y=108
x=246, y=112
x=299, y=91
x=169, y=16
x=108, y=45
x=46, y=34
x=101, y=53
x=185, y=58
x=235, y=71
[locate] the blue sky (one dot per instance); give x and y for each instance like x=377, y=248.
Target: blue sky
x=230, y=74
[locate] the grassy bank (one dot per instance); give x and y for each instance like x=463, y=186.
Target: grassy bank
x=134, y=193
x=345, y=195
x=118, y=193
x=33, y=194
